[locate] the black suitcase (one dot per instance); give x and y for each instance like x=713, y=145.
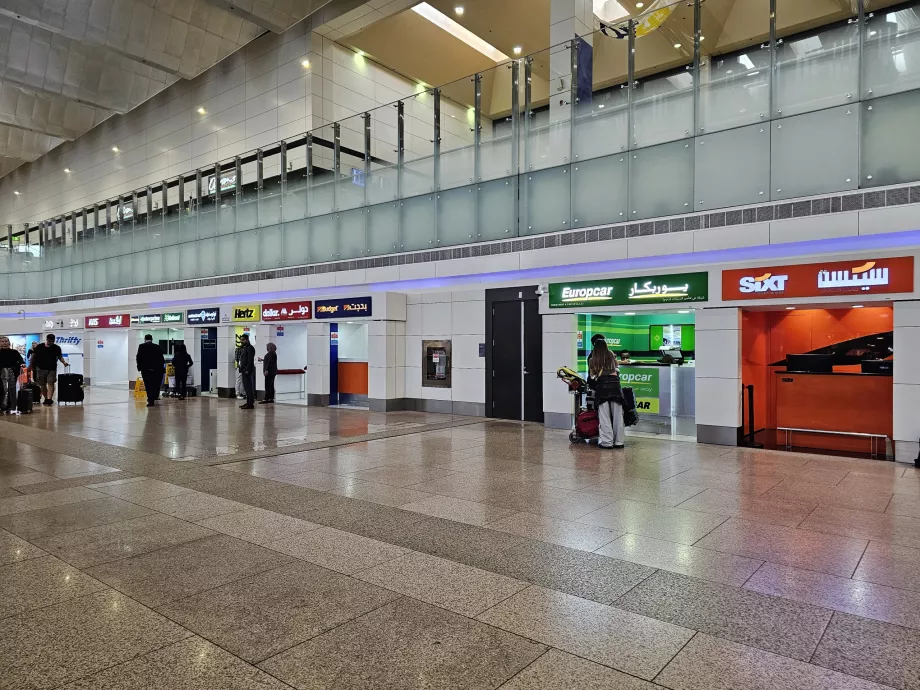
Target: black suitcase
x=35, y=390
x=630, y=415
x=70, y=388
x=24, y=401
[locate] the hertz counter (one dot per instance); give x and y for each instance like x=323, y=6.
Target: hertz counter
x=822, y=377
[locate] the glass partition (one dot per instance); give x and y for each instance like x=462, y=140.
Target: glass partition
x=891, y=51
x=817, y=56
x=663, y=86
x=734, y=64
x=687, y=107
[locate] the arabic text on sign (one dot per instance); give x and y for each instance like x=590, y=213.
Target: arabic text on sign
x=863, y=277
x=649, y=290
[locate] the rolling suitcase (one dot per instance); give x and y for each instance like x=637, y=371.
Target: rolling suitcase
x=24, y=401
x=630, y=414
x=70, y=388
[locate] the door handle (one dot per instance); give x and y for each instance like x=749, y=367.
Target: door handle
x=526, y=372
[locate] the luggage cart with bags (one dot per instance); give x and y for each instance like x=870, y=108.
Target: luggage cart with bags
x=587, y=424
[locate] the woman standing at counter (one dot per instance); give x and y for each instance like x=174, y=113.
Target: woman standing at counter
x=608, y=396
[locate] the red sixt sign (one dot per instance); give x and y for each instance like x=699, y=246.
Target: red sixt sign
x=287, y=311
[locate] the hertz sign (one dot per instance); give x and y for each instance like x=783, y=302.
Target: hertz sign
x=245, y=312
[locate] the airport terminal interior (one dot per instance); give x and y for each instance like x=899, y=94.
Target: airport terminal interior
x=459, y=345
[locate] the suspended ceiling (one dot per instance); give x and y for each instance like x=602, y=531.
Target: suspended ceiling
x=67, y=65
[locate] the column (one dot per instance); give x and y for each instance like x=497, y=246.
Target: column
x=906, y=381
x=718, y=376
x=568, y=19
x=89, y=358
x=560, y=348
x=318, y=364
x=386, y=384
x=226, y=365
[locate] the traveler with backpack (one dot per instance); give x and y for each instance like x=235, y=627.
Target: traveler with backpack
x=604, y=376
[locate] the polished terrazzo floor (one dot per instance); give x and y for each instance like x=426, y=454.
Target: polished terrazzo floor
x=196, y=546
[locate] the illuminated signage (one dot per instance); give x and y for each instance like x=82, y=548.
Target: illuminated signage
x=109, y=321
x=48, y=324
x=62, y=323
x=227, y=183
x=287, y=311
x=680, y=287
x=146, y=319
x=245, y=312
x=826, y=279
x=354, y=307
x=200, y=316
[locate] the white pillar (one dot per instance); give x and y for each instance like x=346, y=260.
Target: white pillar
x=718, y=376
x=906, y=381
x=386, y=384
x=318, y=363
x=89, y=357
x=226, y=365
x=560, y=349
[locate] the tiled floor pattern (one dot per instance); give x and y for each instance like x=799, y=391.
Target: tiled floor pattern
x=481, y=555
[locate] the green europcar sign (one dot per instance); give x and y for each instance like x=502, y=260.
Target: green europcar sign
x=619, y=292
x=644, y=382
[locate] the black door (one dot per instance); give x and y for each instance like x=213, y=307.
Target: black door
x=514, y=354
x=533, y=361
x=506, y=360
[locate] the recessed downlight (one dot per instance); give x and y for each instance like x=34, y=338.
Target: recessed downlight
x=115, y=149
x=516, y=50
x=458, y=10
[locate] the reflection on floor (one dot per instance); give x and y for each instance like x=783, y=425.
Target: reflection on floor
x=196, y=545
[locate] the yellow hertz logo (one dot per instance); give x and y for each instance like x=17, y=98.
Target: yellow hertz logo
x=241, y=313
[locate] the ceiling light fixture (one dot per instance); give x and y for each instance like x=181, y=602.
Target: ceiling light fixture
x=16, y=193
x=630, y=313
x=202, y=111
x=67, y=170
x=684, y=311
x=677, y=45
x=516, y=50
x=459, y=32
x=115, y=149
x=601, y=105
x=790, y=308
x=858, y=306
x=640, y=5
x=458, y=10
x=305, y=63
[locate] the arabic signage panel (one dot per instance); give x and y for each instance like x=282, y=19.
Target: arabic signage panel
x=195, y=317
x=69, y=322
x=828, y=279
x=287, y=311
x=244, y=312
x=153, y=319
x=353, y=307
x=666, y=289
x=108, y=321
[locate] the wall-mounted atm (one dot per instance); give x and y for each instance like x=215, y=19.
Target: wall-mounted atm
x=436, y=364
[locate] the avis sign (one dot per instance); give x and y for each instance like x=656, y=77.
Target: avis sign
x=829, y=279
x=108, y=321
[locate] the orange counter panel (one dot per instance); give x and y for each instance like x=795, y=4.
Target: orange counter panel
x=834, y=402
x=353, y=378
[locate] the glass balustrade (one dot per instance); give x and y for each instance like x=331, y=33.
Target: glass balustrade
x=689, y=107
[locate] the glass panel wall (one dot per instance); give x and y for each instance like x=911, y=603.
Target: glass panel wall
x=688, y=107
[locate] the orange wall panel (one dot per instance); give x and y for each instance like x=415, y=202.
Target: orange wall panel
x=353, y=378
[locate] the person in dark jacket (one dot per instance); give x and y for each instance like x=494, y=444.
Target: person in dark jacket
x=608, y=396
x=248, y=371
x=181, y=362
x=270, y=371
x=11, y=364
x=150, y=363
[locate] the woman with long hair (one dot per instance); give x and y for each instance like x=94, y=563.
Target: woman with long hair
x=181, y=362
x=603, y=372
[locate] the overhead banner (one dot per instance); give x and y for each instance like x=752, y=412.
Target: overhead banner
x=679, y=287
x=244, y=312
x=202, y=316
x=827, y=279
x=353, y=307
x=287, y=311
x=108, y=321
x=69, y=322
x=154, y=319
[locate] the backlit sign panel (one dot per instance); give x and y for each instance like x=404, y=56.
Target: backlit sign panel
x=679, y=287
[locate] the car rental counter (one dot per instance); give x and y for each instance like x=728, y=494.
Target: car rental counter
x=844, y=411
x=665, y=395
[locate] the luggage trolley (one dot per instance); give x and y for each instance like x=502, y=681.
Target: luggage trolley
x=587, y=426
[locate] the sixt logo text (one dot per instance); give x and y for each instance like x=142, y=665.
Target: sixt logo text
x=765, y=283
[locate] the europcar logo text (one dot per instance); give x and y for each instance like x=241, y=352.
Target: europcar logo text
x=601, y=292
